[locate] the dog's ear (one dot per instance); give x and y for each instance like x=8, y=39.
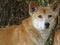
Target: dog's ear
x=32, y=7
x=55, y=7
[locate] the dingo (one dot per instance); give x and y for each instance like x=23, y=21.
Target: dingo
x=57, y=37
x=34, y=30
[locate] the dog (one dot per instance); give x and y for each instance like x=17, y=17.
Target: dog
x=34, y=30
x=57, y=37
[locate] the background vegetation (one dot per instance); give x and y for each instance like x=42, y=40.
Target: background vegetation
x=12, y=12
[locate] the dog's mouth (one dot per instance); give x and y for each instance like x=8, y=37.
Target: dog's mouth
x=46, y=27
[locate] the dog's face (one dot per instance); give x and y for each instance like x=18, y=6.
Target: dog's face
x=43, y=17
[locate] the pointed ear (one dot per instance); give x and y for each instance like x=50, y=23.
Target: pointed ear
x=32, y=7
x=55, y=7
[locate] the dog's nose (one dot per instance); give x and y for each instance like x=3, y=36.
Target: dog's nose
x=47, y=25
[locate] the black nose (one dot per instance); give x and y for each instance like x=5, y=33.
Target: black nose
x=47, y=25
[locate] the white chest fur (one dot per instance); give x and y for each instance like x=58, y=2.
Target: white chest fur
x=44, y=36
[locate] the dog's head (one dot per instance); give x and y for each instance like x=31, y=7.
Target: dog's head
x=43, y=17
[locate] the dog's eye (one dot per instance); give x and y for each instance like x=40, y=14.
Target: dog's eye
x=40, y=16
x=49, y=16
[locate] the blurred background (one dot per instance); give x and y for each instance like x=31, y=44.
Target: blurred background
x=13, y=12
